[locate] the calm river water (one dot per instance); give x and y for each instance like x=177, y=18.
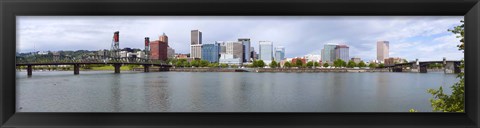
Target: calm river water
x=104, y=91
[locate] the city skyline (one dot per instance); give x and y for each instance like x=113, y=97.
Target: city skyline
x=301, y=35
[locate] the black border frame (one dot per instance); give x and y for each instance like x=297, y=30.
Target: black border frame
x=11, y=8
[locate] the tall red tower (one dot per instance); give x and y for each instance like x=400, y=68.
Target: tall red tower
x=115, y=49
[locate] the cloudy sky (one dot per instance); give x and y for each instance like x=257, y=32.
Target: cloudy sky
x=423, y=37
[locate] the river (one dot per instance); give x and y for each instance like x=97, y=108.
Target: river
x=104, y=91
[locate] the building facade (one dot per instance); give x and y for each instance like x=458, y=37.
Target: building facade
x=328, y=53
x=170, y=52
x=265, y=51
x=196, y=51
x=196, y=37
x=164, y=38
x=196, y=44
x=210, y=52
x=234, y=48
x=393, y=60
x=246, y=49
x=158, y=50
x=230, y=59
x=382, y=50
x=356, y=59
x=279, y=53
x=342, y=52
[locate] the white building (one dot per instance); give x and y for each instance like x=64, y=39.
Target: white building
x=312, y=57
x=266, y=51
x=229, y=59
x=196, y=51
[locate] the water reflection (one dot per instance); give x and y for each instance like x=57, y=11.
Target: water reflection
x=227, y=92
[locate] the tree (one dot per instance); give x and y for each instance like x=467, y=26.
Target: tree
x=260, y=63
x=455, y=101
x=223, y=65
x=339, y=63
x=273, y=64
x=351, y=64
x=372, y=65
x=325, y=65
x=287, y=64
x=298, y=63
x=310, y=64
x=316, y=64
x=362, y=64
x=204, y=63
x=381, y=65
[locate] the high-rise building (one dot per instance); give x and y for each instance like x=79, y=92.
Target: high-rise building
x=266, y=51
x=210, y=52
x=382, y=50
x=164, y=38
x=234, y=48
x=222, y=46
x=342, y=52
x=196, y=51
x=328, y=53
x=196, y=44
x=158, y=50
x=196, y=37
x=246, y=49
x=279, y=53
x=253, y=54
x=170, y=52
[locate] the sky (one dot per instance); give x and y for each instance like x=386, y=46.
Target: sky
x=410, y=37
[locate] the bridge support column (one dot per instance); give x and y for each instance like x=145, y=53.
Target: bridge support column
x=423, y=69
x=76, y=69
x=146, y=68
x=117, y=67
x=29, y=70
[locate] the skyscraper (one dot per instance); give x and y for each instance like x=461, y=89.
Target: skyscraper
x=235, y=48
x=164, y=38
x=196, y=51
x=196, y=37
x=246, y=49
x=196, y=44
x=328, y=53
x=382, y=50
x=342, y=52
x=210, y=52
x=266, y=51
x=158, y=50
x=279, y=53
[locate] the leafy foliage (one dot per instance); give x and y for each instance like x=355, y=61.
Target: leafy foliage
x=351, y=64
x=455, y=101
x=362, y=64
x=273, y=64
x=372, y=65
x=326, y=65
x=287, y=64
x=298, y=63
x=339, y=63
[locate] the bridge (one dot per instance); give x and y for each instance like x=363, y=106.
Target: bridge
x=117, y=63
x=449, y=66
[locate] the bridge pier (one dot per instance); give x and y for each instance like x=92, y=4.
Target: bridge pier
x=117, y=67
x=146, y=68
x=29, y=70
x=423, y=69
x=76, y=69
